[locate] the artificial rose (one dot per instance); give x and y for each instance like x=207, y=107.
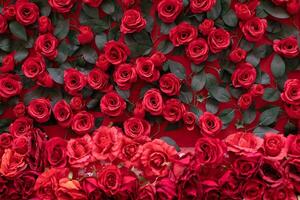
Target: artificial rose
x=3, y=24
x=45, y=25
x=83, y=122
x=189, y=119
x=45, y=80
x=110, y=179
x=237, y=55
x=183, y=34
x=168, y=10
x=112, y=104
x=254, y=29
x=293, y=111
x=293, y=142
x=158, y=58
x=99, y=80
x=139, y=110
x=173, y=110
x=90, y=186
x=153, y=102
x=169, y=84
x=156, y=158
x=244, y=75
x=47, y=44
x=293, y=7
x=79, y=151
x=74, y=81
x=291, y=92
x=245, y=101
x=70, y=189
x=165, y=189
x=189, y=186
x=6, y=140
x=292, y=169
x=137, y=129
x=146, y=69
x=63, y=113
x=257, y=90
x=197, y=6
x=9, y=11
x=230, y=185
x=132, y=21
x=246, y=165
x=22, y=126
x=272, y=172
x=206, y=26
x=85, y=35
x=26, y=12
x=21, y=145
x=284, y=191
x=102, y=62
x=218, y=40
x=93, y=3
x=210, y=124
x=10, y=85
x=116, y=52
x=124, y=75
x=275, y=146
x=39, y=109
x=34, y=66
x=287, y=47
x=253, y=189
x=77, y=103
x=61, y=6
x=242, y=11
x=146, y=192
x=8, y=63
x=12, y=163
x=56, y=152
x=25, y=183
x=197, y=51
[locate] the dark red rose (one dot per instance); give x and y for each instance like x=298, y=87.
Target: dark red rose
x=139, y=110
x=146, y=192
x=132, y=21
x=56, y=152
x=245, y=101
x=254, y=29
x=230, y=185
x=83, y=122
x=102, y=62
x=110, y=179
x=137, y=129
x=173, y=110
x=45, y=80
x=275, y=146
x=247, y=165
x=34, y=66
x=158, y=58
x=19, y=110
x=206, y=26
x=79, y=151
x=25, y=183
x=253, y=189
x=189, y=119
x=293, y=142
x=124, y=76
x=70, y=189
x=12, y=163
x=45, y=25
x=284, y=191
x=112, y=104
x=197, y=51
x=61, y=6
x=197, y=6
x=9, y=11
x=39, y=109
x=218, y=40
x=287, y=47
x=210, y=124
x=291, y=92
x=21, y=145
x=77, y=103
x=168, y=10
x=183, y=34
x=63, y=113
x=99, y=80
x=46, y=44
x=237, y=55
x=292, y=169
x=8, y=63
x=93, y=3
x=3, y=24
x=257, y=90
x=85, y=35
x=169, y=84
x=21, y=127
x=244, y=75
x=146, y=69
x=293, y=111
x=106, y=142
x=189, y=186
x=6, y=140
x=90, y=186
x=26, y=12
x=156, y=157
x=153, y=102
x=242, y=11
x=10, y=85
x=74, y=81
x=116, y=52
x=165, y=189
x=272, y=172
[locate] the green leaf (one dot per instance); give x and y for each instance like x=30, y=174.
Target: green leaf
x=265, y=79
x=196, y=111
x=269, y=116
x=186, y=96
x=197, y=68
x=165, y=28
x=5, y=44
x=271, y=95
x=262, y=130
x=165, y=47
x=98, y=121
x=170, y=141
x=215, y=12
x=100, y=40
x=227, y=115
x=149, y=23
x=90, y=11
x=20, y=55
x=108, y=7
x=177, y=69
x=62, y=28
x=253, y=59
x=277, y=66
x=247, y=46
x=63, y=51
x=273, y=10
x=212, y=106
x=249, y=115
x=230, y=18
x=18, y=30
x=262, y=51
x=219, y=93
x=198, y=81
x=57, y=74
x=125, y=94
x=89, y=54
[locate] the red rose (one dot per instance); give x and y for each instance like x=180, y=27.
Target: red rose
x=56, y=152
x=197, y=51
x=168, y=10
x=106, y=142
x=6, y=140
x=173, y=110
x=116, y=52
x=86, y=35
x=156, y=157
x=93, y=3
x=102, y=62
x=21, y=145
x=242, y=11
x=34, y=66
x=257, y=90
x=210, y=124
x=230, y=185
x=12, y=163
x=99, y=80
x=63, y=113
x=132, y=21
x=244, y=76
x=8, y=63
x=246, y=165
x=158, y=58
x=3, y=24
x=153, y=102
x=197, y=6
x=46, y=44
x=189, y=186
x=285, y=191
x=45, y=80
x=77, y=103
x=39, y=109
x=293, y=7
x=245, y=101
x=9, y=11
x=241, y=142
x=22, y=126
x=183, y=34
x=253, y=189
x=272, y=172
x=61, y=6
x=189, y=119
x=45, y=25
x=83, y=122
x=237, y=55
x=112, y=104
x=10, y=85
x=275, y=146
x=146, y=69
x=287, y=47
x=74, y=81
x=79, y=151
x=165, y=189
x=293, y=111
x=292, y=168
x=24, y=183
x=291, y=92
x=254, y=29
x=70, y=189
x=90, y=186
x=169, y=84
x=124, y=75
x=146, y=192
x=137, y=129
x=293, y=142
x=206, y=26
x=26, y=12
x=139, y=110
x=218, y=40
x=110, y=179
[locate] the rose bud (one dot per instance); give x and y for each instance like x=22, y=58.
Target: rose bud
x=146, y=69
x=245, y=101
x=244, y=75
x=183, y=34
x=237, y=55
x=257, y=90
x=10, y=85
x=26, y=12
x=9, y=11
x=45, y=25
x=86, y=35
x=218, y=40
x=3, y=24
x=287, y=47
x=170, y=84
x=132, y=21
x=158, y=58
x=19, y=110
x=206, y=26
x=197, y=51
x=210, y=124
x=39, y=109
x=168, y=10
x=173, y=110
x=116, y=52
x=291, y=92
x=189, y=119
x=112, y=104
x=153, y=102
x=8, y=63
x=77, y=103
x=102, y=62
x=47, y=44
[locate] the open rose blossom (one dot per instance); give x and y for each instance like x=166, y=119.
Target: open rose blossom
x=132, y=21
x=153, y=102
x=39, y=109
x=168, y=10
x=183, y=34
x=112, y=104
x=210, y=124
